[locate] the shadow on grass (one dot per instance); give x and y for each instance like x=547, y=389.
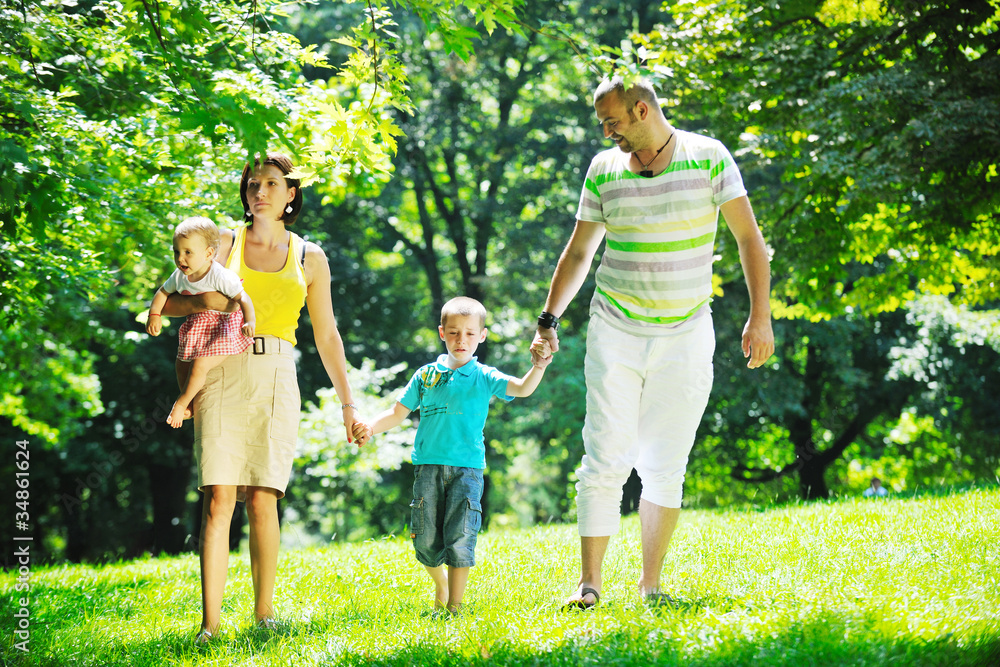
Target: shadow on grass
x=56, y=609
x=801, y=646
x=247, y=646
x=827, y=640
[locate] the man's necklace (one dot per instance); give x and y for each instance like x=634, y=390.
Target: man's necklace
x=646, y=171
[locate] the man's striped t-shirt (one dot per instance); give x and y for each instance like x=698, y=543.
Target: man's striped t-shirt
x=656, y=271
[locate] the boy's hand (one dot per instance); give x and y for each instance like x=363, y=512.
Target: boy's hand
x=362, y=433
x=153, y=324
x=541, y=353
x=248, y=328
x=542, y=346
x=548, y=335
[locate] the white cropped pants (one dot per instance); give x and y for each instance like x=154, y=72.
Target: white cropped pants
x=645, y=399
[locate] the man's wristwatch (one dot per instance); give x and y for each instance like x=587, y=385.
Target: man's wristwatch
x=548, y=321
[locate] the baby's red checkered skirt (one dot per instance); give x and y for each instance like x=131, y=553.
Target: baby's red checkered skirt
x=211, y=334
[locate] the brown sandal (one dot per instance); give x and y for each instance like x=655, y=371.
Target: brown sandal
x=580, y=603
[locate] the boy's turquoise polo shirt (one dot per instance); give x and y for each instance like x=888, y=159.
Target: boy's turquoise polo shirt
x=453, y=407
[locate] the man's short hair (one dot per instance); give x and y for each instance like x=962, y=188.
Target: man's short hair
x=465, y=306
x=641, y=89
x=199, y=226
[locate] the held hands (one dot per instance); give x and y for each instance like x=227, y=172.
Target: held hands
x=154, y=324
x=548, y=335
x=362, y=433
x=541, y=352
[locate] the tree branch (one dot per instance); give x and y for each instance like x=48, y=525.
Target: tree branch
x=563, y=38
x=428, y=258
x=374, y=54
x=451, y=215
x=31, y=57
x=154, y=24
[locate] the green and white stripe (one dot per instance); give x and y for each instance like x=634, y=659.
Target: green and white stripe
x=656, y=271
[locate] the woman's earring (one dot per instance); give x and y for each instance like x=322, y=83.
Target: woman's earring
x=288, y=209
x=247, y=215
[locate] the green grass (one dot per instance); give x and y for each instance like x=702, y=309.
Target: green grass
x=897, y=582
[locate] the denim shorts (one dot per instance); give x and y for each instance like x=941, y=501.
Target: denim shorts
x=446, y=514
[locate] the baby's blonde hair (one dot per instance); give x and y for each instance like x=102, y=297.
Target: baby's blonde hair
x=465, y=306
x=199, y=226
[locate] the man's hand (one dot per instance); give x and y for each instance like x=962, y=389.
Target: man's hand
x=547, y=335
x=541, y=353
x=758, y=342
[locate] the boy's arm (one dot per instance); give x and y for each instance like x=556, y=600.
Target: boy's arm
x=154, y=318
x=391, y=418
x=527, y=385
x=249, y=316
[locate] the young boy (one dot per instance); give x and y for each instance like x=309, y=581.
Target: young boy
x=205, y=338
x=449, y=454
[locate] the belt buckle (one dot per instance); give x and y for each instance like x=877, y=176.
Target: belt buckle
x=262, y=349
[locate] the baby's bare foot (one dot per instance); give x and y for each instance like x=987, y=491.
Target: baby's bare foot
x=177, y=415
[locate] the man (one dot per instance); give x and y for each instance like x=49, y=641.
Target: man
x=650, y=338
x=876, y=490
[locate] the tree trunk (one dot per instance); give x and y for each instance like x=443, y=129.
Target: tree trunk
x=168, y=488
x=812, y=483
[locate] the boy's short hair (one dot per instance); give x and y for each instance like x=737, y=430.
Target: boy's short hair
x=465, y=306
x=199, y=226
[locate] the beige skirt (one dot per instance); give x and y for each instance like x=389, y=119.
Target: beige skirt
x=246, y=420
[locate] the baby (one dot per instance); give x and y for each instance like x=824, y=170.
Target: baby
x=208, y=337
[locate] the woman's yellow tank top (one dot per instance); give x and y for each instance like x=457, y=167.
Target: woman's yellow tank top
x=277, y=297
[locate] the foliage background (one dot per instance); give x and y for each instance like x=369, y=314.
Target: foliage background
x=444, y=144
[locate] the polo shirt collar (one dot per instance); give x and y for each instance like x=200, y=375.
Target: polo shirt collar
x=467, y=369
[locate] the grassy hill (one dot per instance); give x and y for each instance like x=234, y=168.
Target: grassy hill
x=855, y=582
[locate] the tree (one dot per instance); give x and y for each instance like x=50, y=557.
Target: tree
x=830, y=388
x=114, y=110
x=867, y=132
x=479, y=205
x=865, y=138
x=478, y=173
x=953, y=353
x=117, y=119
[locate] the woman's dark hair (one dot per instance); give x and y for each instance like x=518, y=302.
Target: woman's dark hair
x=284, y=163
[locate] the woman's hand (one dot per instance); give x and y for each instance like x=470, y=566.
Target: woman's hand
x=362, y=433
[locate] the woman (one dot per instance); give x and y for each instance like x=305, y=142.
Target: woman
x=247, y=416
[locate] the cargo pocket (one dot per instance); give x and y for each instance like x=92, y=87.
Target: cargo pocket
x=286, y=404
x=473, y=518
x=416, y=517
x=215, y=399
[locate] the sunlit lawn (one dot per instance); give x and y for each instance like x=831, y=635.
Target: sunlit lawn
x=895, y=582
